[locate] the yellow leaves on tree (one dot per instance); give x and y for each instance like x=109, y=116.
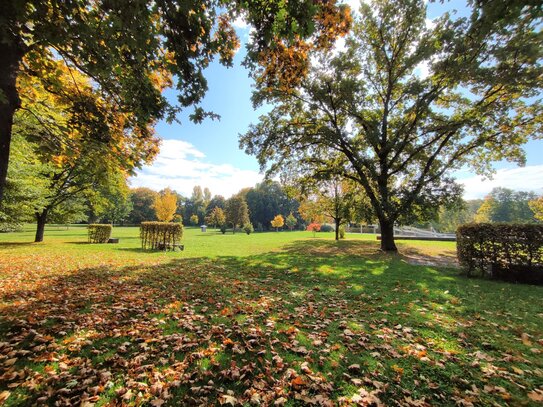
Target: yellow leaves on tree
x=286, y=62
x=311, y=211
x=71, y=112
x=165, y=205
x=536, y=206
x=278, y=222
x=485, y=210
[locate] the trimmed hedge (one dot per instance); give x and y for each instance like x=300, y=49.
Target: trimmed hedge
x=160, y=235
x=99, y=233
x=511, y=252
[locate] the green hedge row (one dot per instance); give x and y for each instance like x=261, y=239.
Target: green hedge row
x=512, y=252
x=160, y=235
x=99, y=233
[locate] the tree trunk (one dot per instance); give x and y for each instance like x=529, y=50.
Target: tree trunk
x=387, y=236
x=337, y=228
x=41, y=218
x=12, y=55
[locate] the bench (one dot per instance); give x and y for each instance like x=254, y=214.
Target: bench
x=169, y=246
x=113, y=240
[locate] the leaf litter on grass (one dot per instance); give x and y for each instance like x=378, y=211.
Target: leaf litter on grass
x=268, y=329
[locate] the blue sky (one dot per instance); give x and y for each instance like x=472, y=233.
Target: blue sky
x=208, y=154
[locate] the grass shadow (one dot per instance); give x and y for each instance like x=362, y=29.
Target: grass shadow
x=14, y=245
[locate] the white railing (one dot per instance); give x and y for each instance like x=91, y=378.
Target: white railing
x=403, y=231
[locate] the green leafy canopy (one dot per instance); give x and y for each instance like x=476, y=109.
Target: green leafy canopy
x=367, y=113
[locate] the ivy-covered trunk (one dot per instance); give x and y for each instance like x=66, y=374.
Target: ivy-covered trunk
x=387, y=236
x=41, y=218
x=9, y=103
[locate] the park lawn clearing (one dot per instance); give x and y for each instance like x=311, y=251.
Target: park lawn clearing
x=268, y=318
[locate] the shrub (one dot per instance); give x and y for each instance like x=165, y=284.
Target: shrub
x=248, y=228
x=512, y=252
x=327, y=228
x=160, y=235
x=342, y=232
x=223, y=229
x=99, y=233
x=313, y=227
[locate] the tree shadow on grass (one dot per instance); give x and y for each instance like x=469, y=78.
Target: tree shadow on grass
x=249, y=324
x=14, y=245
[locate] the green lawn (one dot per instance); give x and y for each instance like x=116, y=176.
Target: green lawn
x=268, y=318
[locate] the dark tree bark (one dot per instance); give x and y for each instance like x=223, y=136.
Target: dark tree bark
x=12, y=55
x=41, y=218
x=387, y=236
x=337, y=221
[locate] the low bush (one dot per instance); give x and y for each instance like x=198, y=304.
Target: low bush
x=327, y=228
x=99, y=233
x=248, y=228
x=160, y=235
x=511, y=252
x=223, y=229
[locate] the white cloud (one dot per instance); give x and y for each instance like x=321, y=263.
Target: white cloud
x=423, y=69
x=355, y=4
x=529, y=178
x=430, y=24
x=240, y=23
x=180, y=166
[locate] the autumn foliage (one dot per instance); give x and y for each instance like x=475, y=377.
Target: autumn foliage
x=99, y=233
x=160, y=235
x=165, y=205
x=314, y=227
x=278, y=222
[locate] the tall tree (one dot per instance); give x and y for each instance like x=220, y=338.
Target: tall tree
x=506, y=205
x=216, y=217
x=370, y=115
x=217, y=201
x=236, y=212
x=266, y=200
x=165, y=205
x=111, y=202
x=450, y=218
x=142, y=205
x=78, y=136
x=127, y=46
x=196, y=205
x=337, y=199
